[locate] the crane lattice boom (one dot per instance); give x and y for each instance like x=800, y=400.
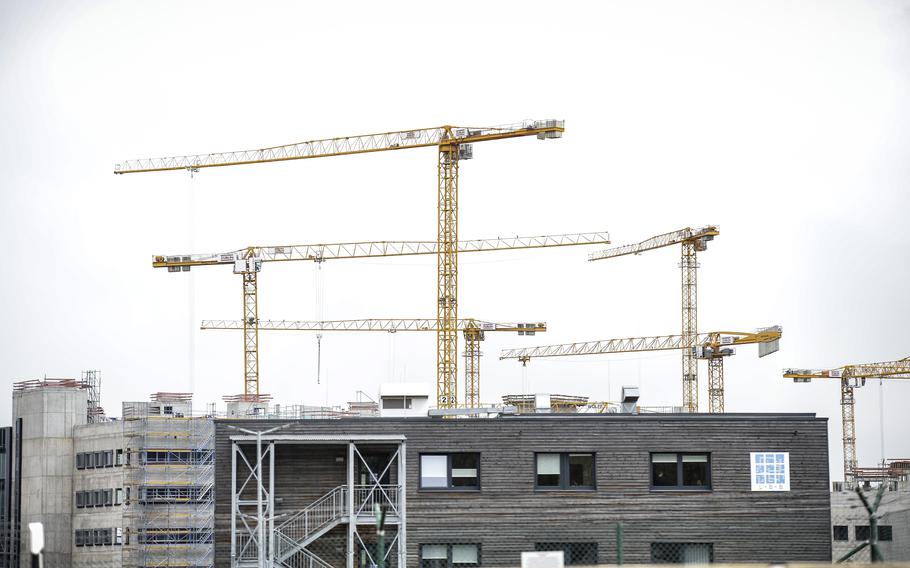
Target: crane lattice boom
x=652, y=343
x=659, y=241
x=320, y=252
x=389, y=325
x=361, y=144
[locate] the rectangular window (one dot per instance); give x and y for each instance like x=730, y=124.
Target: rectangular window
x=449, y=555
x=108, y=497
x=80, y=538
x=565, y=471
x=89, y=460
x=118, y=496
x=682, y=552
x=885, y=533
x=80, y=499
x=841, y=533
x=574, y=553
x=109, y=458
x=396, y=402
x=99, y=459
x=80, y=462
x=861, y=532
x=680, y=471
x=450, y=471
x=118, y=535
x=118, y=457
x=99, y=497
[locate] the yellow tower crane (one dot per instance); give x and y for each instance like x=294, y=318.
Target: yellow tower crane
x=713, y=346
x=248, y=262
x=474, y=332
x=693, y=241
x=851, y=377
x=453, y=144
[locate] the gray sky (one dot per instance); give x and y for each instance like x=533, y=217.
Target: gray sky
x=785, y=123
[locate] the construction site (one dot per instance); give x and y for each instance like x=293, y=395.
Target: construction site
x=247, y=421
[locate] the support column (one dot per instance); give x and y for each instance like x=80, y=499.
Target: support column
x=350, y=506
x=260, y=519
x=233, y=504
x=271, y=504
x=447, y=279
x=402, y=505
x=689, y=265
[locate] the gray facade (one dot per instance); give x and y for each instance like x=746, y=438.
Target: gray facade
x=48, y=417
x=508, y=514
x=848, y=513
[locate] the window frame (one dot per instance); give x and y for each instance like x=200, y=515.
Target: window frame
x=866, y=528
x=449, y=545
x=80, y=460
x=448, y=487
x=664, y=544
x=884, y=530
x=708, y=486
x=846, y=533
x=564, y=472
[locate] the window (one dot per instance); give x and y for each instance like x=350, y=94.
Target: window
x=841, y=533
x=109, y=458
x=861, y=532
x=680, y=471
x=118, y=496
x=108, y=497
x=885, y=533
x=574, y=553
x=397, y=402
x=449, y=555
x=118, y=535
x=99, y=459
x=450, y=471
x=80, y=538
x=682, y=552
x=80, y=500
x=565, y=471
x=89, y=460
x=118, y=457
x=80, y=464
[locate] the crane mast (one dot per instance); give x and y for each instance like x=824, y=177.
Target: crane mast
x=474, y=332
x=247, y=262
x=453, y=143
x=693, y=241
x=852, y=377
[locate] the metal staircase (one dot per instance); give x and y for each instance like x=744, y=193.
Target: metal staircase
x=302, y=528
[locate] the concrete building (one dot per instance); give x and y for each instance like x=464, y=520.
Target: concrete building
x=162, y=486
x=850, y=520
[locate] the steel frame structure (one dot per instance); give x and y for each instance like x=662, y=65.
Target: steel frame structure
x=473, y=330
x=852, y=377
x=693, y=241
x=453, y=143
x=256, y=540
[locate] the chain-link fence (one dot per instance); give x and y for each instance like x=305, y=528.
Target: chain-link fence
x=852, y=527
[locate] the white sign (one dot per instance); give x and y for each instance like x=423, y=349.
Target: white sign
x=552, y=559
x=770, y=471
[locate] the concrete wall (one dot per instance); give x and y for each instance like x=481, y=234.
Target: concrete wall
x=847, y=510
x=48, y=417
x=509, y=515
x=98, y=437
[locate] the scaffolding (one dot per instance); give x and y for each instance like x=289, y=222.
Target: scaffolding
x=170, y=484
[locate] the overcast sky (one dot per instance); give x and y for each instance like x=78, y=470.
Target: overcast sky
x=785, y=123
